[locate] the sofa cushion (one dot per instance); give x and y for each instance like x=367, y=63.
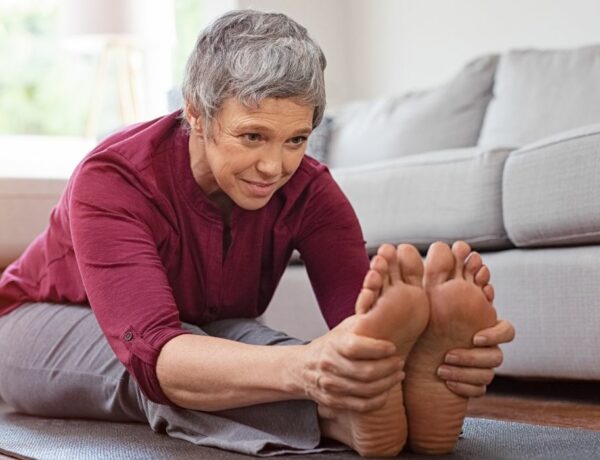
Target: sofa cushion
x=551, y=194
x=539, y=93
x=445, y=195
x=550, y=295
x=442, y=118
x=318, y=141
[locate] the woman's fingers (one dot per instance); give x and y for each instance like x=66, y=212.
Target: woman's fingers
x=480, y=357
x=501, y=332
x=361, y=371
x=468, y=375
x=466, y=390
x=330, y=383
x=358, y=347
x=348, y=371
x=357, y=404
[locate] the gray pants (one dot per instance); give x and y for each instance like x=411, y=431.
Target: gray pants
x=55, y=362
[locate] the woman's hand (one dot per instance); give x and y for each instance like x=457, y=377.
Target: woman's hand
x=343, y=370
x=467, y=372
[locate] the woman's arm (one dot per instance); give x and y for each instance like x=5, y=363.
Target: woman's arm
x=211, y=374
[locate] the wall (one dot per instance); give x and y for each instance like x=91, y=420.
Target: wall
x=399, y=45
x=385, y=47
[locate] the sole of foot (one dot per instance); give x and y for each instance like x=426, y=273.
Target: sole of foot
x=391, y=306
x=460, y=306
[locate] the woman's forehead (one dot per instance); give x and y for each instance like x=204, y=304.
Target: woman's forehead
x=270, y=111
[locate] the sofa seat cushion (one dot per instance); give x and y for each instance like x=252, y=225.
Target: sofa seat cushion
x=449, y=116
x=538, y=93
x=25, y=206
x=550, y=295
x=551, y=191
x=445, y=195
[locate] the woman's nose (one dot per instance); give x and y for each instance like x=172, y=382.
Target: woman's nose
x=269, y=163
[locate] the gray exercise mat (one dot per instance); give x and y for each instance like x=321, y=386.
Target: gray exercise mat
x=56, y=439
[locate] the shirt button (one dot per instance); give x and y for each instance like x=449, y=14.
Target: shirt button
x=128, y=336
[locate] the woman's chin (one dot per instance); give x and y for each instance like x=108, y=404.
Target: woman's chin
x=251, y=203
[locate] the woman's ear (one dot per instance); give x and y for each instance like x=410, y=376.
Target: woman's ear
x=194, y=119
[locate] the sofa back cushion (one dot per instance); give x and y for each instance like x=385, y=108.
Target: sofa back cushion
x=446, y=195
x=539, y=93
x=446, y=117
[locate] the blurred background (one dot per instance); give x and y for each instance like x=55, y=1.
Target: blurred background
x=72, y=71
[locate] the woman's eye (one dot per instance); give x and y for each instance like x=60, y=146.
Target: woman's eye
x=252, y=137
x=298, y=140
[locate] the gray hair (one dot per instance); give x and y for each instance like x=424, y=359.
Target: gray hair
x=251, y=55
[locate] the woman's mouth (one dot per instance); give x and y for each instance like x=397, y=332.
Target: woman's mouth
x=260, y=189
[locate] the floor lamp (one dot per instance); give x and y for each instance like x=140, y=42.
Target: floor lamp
x=110, y=28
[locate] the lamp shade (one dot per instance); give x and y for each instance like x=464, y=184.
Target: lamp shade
x=112, y=18
x=91, y=21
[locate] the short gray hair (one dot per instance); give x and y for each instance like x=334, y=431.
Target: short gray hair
x=250, y=55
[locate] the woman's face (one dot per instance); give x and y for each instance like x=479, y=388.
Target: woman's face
x=253, y=152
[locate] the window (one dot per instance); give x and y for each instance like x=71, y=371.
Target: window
x=47, y=84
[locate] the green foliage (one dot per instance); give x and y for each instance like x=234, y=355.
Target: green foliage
x=42, y=87
x=47, y=89
x=187, y=17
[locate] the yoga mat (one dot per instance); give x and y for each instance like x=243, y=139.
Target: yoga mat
x=58, y=439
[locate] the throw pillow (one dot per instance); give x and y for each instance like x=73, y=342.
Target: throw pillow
x=442, y=118
x=318, y=141
x=539, y=93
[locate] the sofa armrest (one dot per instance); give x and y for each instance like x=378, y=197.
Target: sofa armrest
x=25, y=206
x=550, y=190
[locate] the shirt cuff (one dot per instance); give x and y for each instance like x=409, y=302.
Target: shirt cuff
x=143, y=350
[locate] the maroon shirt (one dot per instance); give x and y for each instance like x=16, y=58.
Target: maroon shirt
x=135, y=237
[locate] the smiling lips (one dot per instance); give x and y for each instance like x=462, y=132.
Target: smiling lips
x=260, y=189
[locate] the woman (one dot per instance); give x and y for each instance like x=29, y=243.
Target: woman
x=176, y=232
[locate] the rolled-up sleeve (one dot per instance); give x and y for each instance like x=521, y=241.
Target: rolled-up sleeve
x=112, y=214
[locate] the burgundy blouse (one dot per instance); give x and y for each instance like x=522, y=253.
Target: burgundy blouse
x=135, y=237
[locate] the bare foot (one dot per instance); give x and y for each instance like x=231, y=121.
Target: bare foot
x=460, y=307
x=392, y=306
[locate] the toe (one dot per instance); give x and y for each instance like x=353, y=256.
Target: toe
x=374, y=278
x=365, y=301
x=411, y=264
x=439, y=264
x=472, y=265
x=373, y=281
x=372, y=285
x=388, y=252
x=482, y=277
x=488, y=290
x=461, y=250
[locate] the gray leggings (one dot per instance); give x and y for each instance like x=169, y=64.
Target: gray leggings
x=55, y=362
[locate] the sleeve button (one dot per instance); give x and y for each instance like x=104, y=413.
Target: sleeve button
x=128, y=336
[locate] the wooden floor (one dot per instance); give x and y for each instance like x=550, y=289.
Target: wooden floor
x=565, y=404
x=553, y=403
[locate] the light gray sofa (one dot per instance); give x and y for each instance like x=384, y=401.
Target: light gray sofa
x=505, y=156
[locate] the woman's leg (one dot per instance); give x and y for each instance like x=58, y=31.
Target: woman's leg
x=263, y=429
x=56, y=362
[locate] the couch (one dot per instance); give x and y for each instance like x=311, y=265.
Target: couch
x=505, y=156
